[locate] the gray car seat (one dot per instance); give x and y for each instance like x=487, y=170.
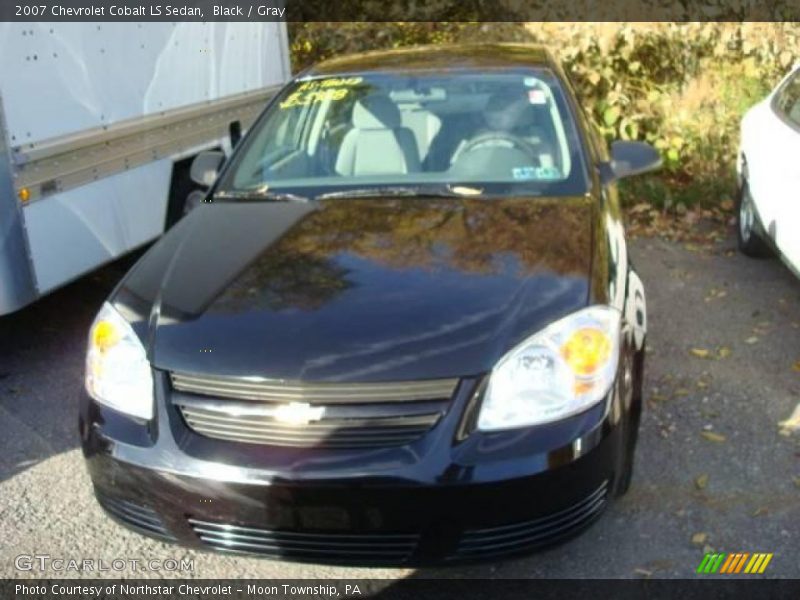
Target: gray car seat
x=424, y=125
x=378, y=144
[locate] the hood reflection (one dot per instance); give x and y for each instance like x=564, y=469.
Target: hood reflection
x=315, y=261
x=360, y=289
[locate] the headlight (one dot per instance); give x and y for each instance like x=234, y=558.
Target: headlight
x=117, y=372
x=559, y=372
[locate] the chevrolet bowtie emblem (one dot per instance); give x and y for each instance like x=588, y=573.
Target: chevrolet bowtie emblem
x=298, y=413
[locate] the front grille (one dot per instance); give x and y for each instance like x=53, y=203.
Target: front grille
x=529, y=535
x=260, y=411
x=332, y=432
x=277, y=390
x=326, y=547
x=142, y=518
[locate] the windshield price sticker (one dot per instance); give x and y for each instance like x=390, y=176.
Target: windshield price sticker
x=304, y=98
x=333, y=82
x=321, y=90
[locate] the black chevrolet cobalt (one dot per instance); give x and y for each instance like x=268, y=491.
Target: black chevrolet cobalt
x=401, y=328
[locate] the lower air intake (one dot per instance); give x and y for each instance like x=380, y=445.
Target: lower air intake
x=323, y=547
x=530, y=535
x=139, y=517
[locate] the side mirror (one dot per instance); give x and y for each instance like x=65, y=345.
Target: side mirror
x=235, y=133
x=205, y=167
x=630, y=158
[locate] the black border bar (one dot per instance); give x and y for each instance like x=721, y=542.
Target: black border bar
x=398, y=10
x=410, y=588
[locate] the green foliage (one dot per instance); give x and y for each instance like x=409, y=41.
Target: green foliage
x=683, y=87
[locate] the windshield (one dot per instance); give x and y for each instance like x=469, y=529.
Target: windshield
x=486, y=132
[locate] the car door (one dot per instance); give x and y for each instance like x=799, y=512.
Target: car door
x=773, y=160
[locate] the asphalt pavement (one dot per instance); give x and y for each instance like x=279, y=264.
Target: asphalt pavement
x=714, y=470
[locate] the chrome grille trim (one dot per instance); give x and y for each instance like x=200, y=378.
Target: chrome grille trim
x=352, y=413
x=325, y=546
x=381, y=431
x=276, y=390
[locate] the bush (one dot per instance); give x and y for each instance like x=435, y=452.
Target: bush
x=682, y=87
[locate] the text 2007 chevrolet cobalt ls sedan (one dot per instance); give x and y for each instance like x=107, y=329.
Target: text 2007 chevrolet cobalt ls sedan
x=403, y=327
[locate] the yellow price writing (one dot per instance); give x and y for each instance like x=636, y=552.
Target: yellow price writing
x=333, y=82
x=304, y=98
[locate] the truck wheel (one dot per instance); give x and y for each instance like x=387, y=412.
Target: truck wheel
x=749, y=234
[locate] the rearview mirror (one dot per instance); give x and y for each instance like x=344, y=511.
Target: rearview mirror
x=630, y=158
x=205, y=167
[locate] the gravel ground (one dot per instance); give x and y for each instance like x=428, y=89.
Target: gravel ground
x=724, y=339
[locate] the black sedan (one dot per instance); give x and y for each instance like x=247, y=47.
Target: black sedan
x=402, y=327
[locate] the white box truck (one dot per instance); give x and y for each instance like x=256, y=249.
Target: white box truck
x=99, y=123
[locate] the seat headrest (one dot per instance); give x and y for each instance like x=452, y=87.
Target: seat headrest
x=376, y=112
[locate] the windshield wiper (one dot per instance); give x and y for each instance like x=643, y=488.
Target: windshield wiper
x=447, y=191
x=260, y=194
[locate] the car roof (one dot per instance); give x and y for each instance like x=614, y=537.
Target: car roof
x=427, y=58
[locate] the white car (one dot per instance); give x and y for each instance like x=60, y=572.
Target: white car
x=768, y=212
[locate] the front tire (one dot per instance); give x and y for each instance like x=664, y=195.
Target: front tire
x=633, y=393
x=749, y=234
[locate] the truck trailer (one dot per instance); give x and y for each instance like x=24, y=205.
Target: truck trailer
x=99, y=123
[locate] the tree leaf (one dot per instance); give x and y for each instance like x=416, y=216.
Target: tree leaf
x=700, y=352
x=701, y=481
x=699, y=538
x=611, y=115
x=792, y=424
x=713, y=437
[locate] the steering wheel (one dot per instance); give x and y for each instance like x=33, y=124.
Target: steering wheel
x=479, y=140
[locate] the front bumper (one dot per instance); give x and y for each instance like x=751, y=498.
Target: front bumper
x=431, y=502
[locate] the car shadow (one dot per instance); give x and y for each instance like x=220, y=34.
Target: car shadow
x=42, y=351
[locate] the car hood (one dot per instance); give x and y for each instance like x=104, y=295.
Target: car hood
x=358, y=289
